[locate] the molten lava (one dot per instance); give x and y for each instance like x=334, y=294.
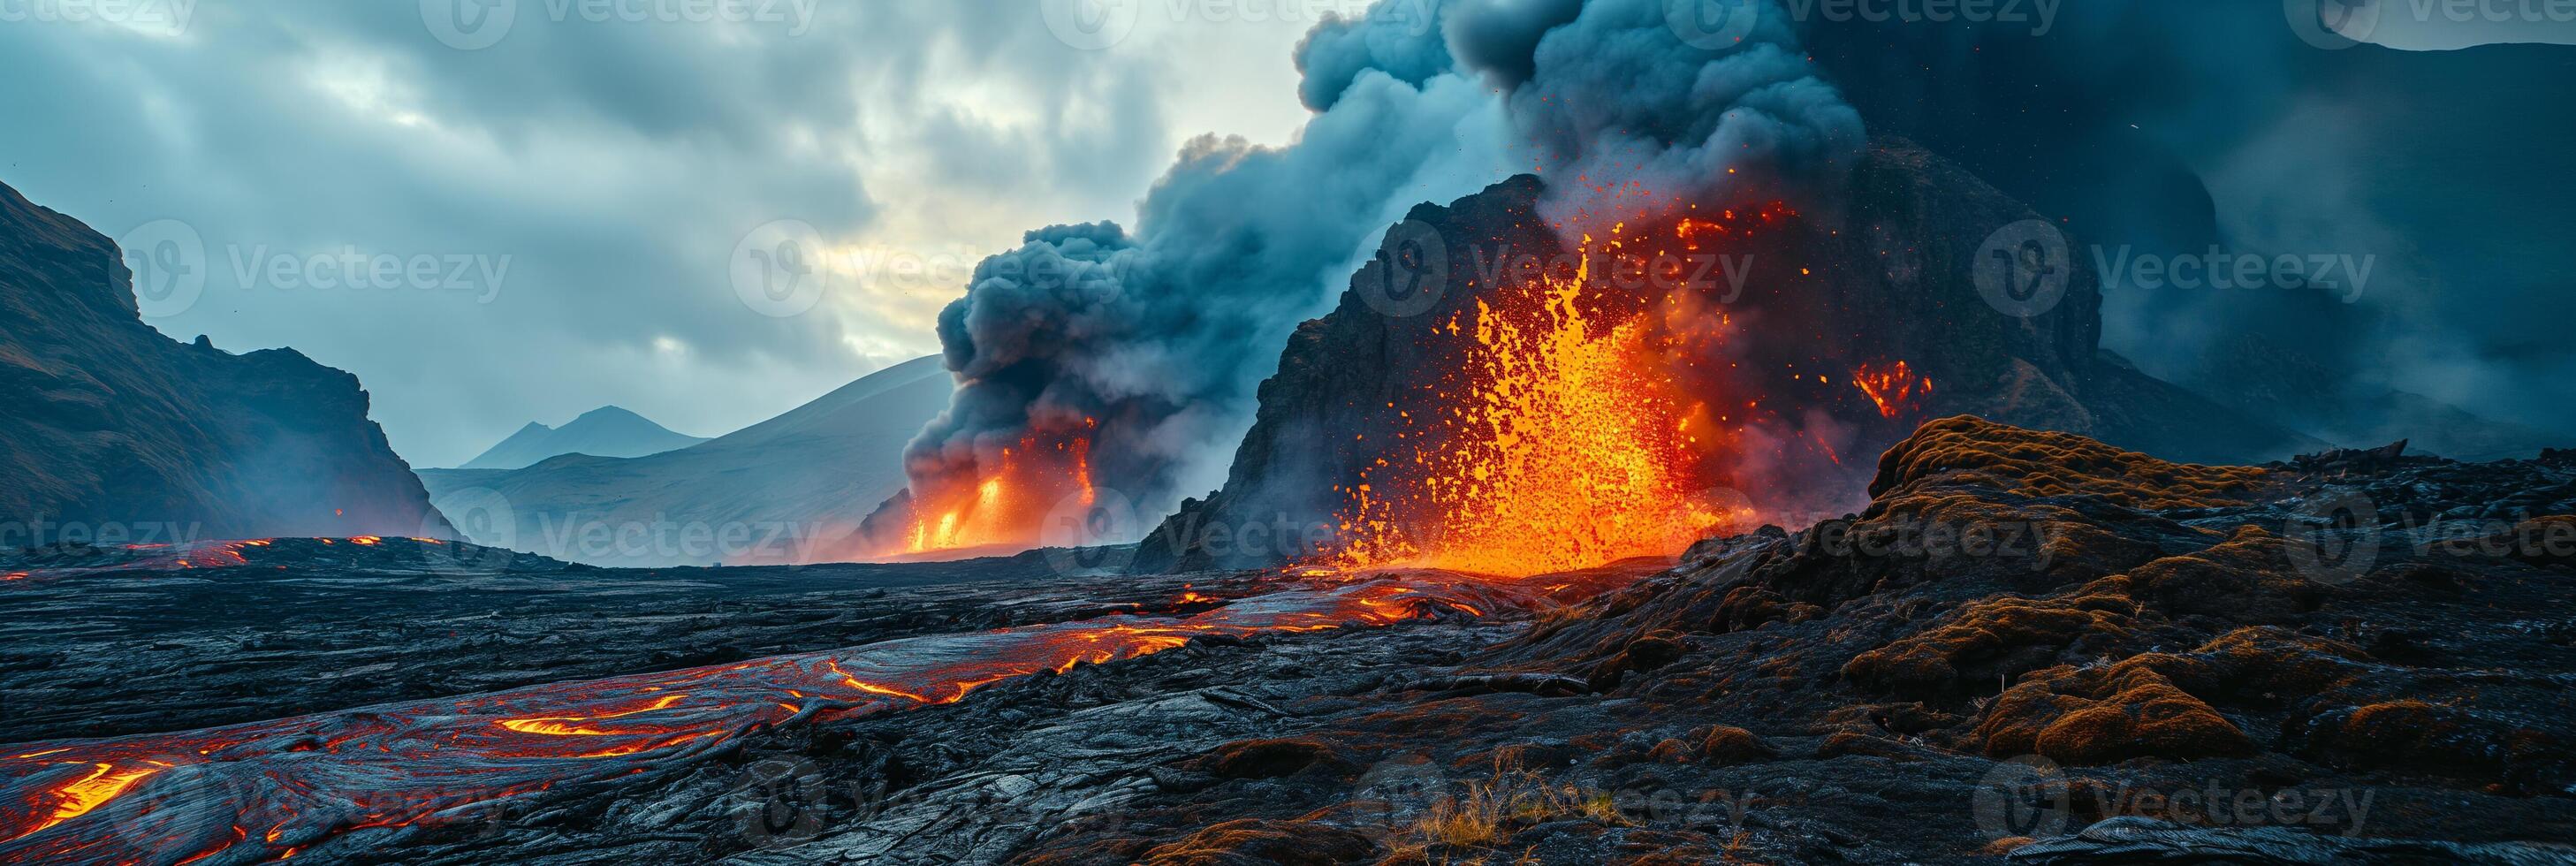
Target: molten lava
x=1568, y=448
x=1895, y=388
x=1006, y=506
x=268, y=789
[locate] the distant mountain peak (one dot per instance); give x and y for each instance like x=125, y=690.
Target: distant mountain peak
x=608, y=431
x=610, y=412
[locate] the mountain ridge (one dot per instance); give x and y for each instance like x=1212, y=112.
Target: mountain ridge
x=777, y=491
x=608, y=431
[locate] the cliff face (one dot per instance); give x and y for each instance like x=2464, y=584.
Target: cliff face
x=1887, y=273
x=112, y=428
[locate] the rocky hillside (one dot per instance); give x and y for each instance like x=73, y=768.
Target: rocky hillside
x=118, y=430
x=1892, y=277
x=2030, y=645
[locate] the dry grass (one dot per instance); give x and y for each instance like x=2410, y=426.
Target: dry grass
x=1490, y=811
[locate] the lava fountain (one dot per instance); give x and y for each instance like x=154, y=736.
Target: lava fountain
x=1561, y=448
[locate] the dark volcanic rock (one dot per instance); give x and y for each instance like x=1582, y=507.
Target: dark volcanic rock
x=2030, y=645
x=2143, y=662
x=111, y=426
x=1888, y=277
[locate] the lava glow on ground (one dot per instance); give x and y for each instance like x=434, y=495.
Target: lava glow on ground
x=262, y=791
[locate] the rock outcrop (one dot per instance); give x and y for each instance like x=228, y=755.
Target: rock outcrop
x=114, y=433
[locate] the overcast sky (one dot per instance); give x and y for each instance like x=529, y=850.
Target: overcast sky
x=580, y=187
x=574, y=203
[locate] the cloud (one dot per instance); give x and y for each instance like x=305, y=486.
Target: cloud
x=1158, y=336
x=615, y=164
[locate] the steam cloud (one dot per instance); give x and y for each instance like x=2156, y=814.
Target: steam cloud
x=1162, y=333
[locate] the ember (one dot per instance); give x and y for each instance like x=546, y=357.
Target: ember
x=1894, y=387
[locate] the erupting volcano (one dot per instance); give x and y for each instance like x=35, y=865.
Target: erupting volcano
x=1562, y=443
x=1003, y=509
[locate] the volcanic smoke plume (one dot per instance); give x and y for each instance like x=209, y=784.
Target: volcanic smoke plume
x=1097, y=355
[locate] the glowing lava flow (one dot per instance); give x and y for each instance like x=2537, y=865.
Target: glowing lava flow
x=1894, y=387
x=1005, y=506
x=1567, y=452
x=255, y=791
